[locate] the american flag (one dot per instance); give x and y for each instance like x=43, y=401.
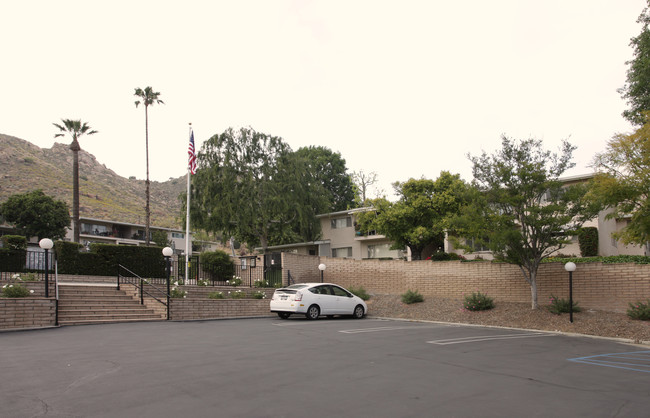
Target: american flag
x=192, y=154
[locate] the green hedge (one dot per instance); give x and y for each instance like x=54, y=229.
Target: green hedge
x=588, y=241
x=12, y=260
x=14, y=242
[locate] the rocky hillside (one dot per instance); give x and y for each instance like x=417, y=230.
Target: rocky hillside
x=103, y=194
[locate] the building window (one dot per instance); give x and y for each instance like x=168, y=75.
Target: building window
x=383, y=251
x=475, y=245
x=339, y=223
x=342, y=252
x=92, y=229
x=178, y=235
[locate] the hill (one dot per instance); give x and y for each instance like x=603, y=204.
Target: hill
x=103, y=194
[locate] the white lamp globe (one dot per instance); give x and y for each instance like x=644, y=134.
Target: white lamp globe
x=570, y=266
x=46, y=244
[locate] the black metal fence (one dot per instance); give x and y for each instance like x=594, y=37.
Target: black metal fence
x=209, y=275
x=204, y=274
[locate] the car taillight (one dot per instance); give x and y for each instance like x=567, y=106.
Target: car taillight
x=298, y=296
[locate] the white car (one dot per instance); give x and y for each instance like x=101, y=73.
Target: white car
x=316, y=299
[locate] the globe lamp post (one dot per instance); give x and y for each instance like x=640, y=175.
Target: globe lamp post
x=570, y=267
x=167, y=253
x=321, y=267
x=47, y=245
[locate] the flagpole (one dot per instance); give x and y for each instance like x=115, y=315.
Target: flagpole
x=188, y=239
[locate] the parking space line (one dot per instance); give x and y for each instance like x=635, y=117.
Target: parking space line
x=463, y=340
x=380, y=329
x=641, y=360
x=292, y=323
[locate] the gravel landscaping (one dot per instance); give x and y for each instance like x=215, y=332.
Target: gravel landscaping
x=514, y=315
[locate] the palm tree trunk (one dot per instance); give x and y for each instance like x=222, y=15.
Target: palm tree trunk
x=146, y=209
x=75, y=189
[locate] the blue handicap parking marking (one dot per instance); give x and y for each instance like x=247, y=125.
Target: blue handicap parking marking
x=635, y=360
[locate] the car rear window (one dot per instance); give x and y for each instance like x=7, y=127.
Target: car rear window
x=296, y=286
x=291, y=289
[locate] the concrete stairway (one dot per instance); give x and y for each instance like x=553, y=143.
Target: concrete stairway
x=100, y=304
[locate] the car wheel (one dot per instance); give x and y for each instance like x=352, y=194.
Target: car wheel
x=313, y=312
x=358, y=312
x=284, y=315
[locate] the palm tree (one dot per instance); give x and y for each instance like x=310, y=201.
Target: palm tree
x=149, y=97
x=76, y=129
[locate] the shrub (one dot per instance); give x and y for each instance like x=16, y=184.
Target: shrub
x=237, y=295
x=412, y=297
x=560, y=306
x=202, y=282
x=15, y=291
x=28, y=277
x=215, y=295
x=262, y=283
x=177, y=293
x=478, y=301
x=360, y=292
x=235, y=281
x=446, y=257
x=217, y=264
x=259, y=295
x=639, y=310
x=588, y=241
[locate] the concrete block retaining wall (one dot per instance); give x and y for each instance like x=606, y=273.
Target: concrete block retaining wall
x=30, y=312
x=187, y=309
x=595, y=285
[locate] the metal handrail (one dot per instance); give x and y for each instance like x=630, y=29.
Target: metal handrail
x=130, y=280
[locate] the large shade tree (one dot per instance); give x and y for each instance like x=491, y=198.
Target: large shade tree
x=522, y=211
x=252, y=186
x=327, y=168
x=623, y=183
x=636, y=90
x=34, y=214
x=148, y=97
x=76, y=129
x=420, y=218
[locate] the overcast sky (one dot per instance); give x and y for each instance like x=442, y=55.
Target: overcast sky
x=402, y=88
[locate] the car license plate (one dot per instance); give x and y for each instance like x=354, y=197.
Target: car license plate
x=284, y=297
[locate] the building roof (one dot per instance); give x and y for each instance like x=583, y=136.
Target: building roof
x=345, y=212
x=294, y=245
x=128, y=224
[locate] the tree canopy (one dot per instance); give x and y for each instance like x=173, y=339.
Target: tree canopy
x=521, y=210
x=623, y=183
x=327, y=168
x=636, y=90
x=421, y=216
x=36, y=214
x=250, y=185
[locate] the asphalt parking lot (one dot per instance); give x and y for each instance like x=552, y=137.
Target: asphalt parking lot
x=268, y=367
